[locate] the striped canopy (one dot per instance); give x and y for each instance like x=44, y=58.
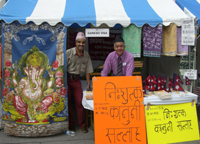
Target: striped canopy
x=191, y=7
x=96, y=12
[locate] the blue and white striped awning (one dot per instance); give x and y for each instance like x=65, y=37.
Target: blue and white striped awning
x=96, y=12
x=190, y=7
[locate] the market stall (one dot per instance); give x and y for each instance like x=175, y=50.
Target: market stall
x=37, y=29
x=191, y=8
x=168, y=117
x=182, y=97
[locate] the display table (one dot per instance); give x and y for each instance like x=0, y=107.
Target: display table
x=87, y=104
x=176, y=99
x=182, y=97
x=161, y=114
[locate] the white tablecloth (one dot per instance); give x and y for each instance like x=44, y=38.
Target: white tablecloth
x=176, y=99
x=87, y=104
x=153, y=99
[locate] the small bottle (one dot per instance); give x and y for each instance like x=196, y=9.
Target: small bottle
x=70, y=133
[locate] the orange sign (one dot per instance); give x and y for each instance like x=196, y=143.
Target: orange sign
x=118, y=110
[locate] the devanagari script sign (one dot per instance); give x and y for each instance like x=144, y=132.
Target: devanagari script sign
x=188, y=32
x=118, y=110
x=171, y=123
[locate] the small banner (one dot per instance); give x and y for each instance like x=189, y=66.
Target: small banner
x=171, y=123
x=187, y=81
x=118, y=110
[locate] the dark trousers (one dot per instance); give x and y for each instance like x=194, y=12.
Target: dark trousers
x=75, y=88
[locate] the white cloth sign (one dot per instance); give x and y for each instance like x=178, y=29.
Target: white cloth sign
x=188, y=32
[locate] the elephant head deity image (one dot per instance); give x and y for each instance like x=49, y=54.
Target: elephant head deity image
x=34, y=98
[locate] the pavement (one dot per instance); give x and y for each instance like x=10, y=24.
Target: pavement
x=79, y=138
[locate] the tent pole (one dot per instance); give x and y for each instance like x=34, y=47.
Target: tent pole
x=195, y=48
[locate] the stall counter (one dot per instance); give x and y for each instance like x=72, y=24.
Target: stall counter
x=182, y=97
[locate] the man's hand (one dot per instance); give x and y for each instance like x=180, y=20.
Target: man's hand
x=89, y=87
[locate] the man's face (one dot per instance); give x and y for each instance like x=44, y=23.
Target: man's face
x=80, y=44
x=119, y=48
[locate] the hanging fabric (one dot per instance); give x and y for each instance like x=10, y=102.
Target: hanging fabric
x=132, y=39
x=169, y=45
x=34, y=78
x=182, y=50
x=152, y=40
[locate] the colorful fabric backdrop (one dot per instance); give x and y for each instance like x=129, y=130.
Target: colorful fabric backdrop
x=34, y=73
x=132, y=38
x=169, y=43
x=182, y=50
x=152, y=40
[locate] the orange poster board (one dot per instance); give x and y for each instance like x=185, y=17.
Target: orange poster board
x=118, y=110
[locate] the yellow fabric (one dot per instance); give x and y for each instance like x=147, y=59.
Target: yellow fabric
x=169, y=46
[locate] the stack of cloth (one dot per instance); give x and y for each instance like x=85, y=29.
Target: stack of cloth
x=89, y=95
x=163, y=94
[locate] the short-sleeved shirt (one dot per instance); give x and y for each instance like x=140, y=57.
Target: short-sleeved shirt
x=127, y=61
x=78, y=64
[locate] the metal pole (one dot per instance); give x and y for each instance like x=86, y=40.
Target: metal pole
x=195, y=49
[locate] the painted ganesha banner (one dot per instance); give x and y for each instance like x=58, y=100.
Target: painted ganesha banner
x=34, y=79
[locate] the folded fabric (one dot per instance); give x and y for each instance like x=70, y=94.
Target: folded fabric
x=163, y=94
x=89, y=95
x=152, y=40
x=132, y=39
x=169, y=45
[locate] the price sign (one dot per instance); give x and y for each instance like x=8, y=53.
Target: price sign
x=190, y=73
x=188, y=32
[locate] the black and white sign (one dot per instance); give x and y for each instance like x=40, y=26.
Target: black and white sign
x=190, y=73
x=97, y=32
x=188, y=32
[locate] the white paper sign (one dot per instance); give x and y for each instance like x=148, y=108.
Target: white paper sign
x=188, y=32
x=190, y=73
x=97, y=32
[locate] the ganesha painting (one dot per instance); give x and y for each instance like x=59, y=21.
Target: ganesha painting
x=34, y=89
